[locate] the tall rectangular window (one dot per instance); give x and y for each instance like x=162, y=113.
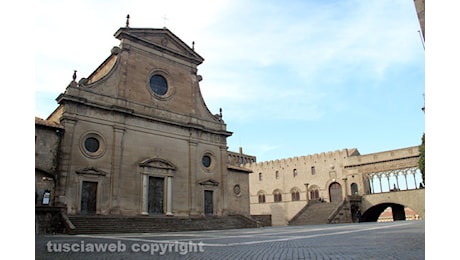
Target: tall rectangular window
x=313, y=171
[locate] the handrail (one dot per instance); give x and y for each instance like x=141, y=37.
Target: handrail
x=336, y=210
x=301, y=211
x=69, y=226
x=246, y=218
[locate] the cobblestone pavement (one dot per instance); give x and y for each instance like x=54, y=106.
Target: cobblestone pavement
x=389, y=240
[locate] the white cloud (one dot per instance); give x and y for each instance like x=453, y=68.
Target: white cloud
x=298, y=61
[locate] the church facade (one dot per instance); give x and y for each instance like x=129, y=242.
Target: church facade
x=139, y=139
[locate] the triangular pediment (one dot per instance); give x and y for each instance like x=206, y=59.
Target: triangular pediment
x=161, y=39
x=209, y=182
x=91, y=171
x=157, y=163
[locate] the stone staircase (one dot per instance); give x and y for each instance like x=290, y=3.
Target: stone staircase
x=314, y=213
x=149, y=224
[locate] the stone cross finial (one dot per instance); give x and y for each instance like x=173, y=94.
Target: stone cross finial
x=127, y=20
x=74, y=77
x=164, y=21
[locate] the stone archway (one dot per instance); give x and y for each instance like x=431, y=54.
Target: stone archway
x=372, y=214
x=335, y=192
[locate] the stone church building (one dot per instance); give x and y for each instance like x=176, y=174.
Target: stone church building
x=136, y=137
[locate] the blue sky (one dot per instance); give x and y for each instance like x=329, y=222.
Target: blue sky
x=292, y=77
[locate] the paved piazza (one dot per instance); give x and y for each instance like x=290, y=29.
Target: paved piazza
x=388, y=240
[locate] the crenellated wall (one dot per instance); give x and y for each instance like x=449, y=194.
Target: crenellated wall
x=302, y=174
x=328, y=176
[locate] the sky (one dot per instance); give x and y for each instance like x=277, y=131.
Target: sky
x=293, y=78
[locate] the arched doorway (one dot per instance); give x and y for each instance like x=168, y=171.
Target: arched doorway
x=354, y=189
x=335, y=192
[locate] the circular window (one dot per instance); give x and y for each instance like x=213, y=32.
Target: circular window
x=206, y=161
x=91, y=144
x=159, y=85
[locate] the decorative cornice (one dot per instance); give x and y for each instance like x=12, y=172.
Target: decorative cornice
x=64, y=97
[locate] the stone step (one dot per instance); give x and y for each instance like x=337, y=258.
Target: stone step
x=314, y=213
x=147, y=224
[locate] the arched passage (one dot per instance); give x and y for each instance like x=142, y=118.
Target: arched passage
x=373, y=213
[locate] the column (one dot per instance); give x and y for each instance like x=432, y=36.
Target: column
x=192, y=179
x=145, y=194
x=405, y=179
x=222, y=208
x=65, y=165
x=117, y=155
x=169, y=197
x=372, y=183
x=388, y=180
x=306, y=186
x=346, y=187
x=413, y=174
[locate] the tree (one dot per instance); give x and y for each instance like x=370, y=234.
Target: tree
x=421, y=159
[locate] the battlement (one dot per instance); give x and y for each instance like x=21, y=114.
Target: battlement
x=313, y=158
x=240, y=158
x=391, y=155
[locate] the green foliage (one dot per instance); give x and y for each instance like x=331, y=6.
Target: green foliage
x=421, y=160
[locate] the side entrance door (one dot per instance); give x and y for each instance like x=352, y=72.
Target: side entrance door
x=156, y=195
x=208, y=206
x=335, y=192
x=88, y=198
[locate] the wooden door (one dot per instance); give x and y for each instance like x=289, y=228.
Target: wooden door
x=335, y=192
x=88, y=198
x=156, y=195
x=208, y=205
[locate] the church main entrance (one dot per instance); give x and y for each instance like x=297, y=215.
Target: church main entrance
x=156, y=195
x=88, y=198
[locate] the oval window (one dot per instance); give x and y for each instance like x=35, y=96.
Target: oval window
x=206, y=160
